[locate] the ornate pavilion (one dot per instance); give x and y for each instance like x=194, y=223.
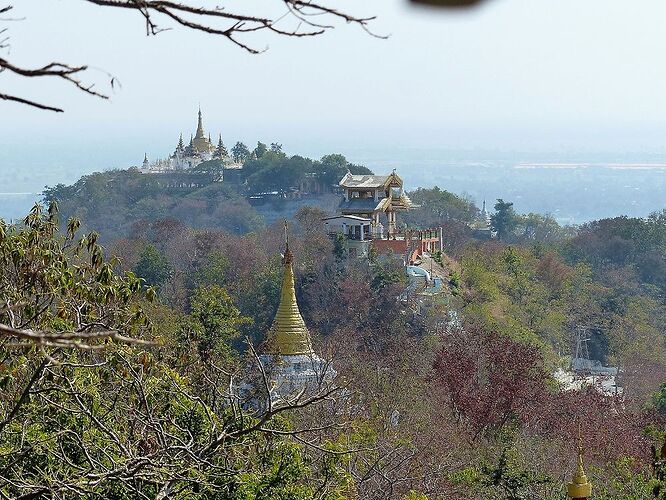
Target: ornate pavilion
x=375, y=197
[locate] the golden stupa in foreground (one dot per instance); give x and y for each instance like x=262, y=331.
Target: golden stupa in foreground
x=288, y=336
x=290, y=367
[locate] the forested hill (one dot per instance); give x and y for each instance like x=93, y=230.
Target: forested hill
x=236, y=201
x=112, y=202
x=432, y=407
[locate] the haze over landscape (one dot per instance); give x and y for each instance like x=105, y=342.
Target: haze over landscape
x=445, y=97
x=415, y=257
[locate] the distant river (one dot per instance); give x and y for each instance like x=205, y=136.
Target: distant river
x=573, y=190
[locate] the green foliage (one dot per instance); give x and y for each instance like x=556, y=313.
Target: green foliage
x=625, y=480
x=274, y=170
x=387, y=272
x=414, y=495
x=240, y=152
x=62, y=282
x=455, y=283
x=510, y=290
x=260, y=150
x=153, y=267
x=331, y=168
x=659, y=399
x=436, y=206
x=504, y=220
x=119, y=419
x=213, y=271
x=213, y=169
x=541, y=228
x=259, y=297
x=513, y=482
x=219, y=318
x=340, y=249
x=221, y=150
x=114, y=202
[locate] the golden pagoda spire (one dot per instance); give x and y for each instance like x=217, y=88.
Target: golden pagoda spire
x=288, y=335
x=579, y=488
x=200, y=130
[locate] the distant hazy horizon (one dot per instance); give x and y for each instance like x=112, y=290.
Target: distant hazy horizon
x=514, y=75
x=530, y=81
x=583, y=187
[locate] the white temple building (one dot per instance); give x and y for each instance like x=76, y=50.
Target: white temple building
x=199, y=149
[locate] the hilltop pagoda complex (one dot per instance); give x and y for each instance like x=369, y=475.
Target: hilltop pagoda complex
x=291, y=365
x=200, y=149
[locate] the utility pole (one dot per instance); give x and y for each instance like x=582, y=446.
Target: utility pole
x=581, y=350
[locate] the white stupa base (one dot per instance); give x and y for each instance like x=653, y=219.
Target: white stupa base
x=288, y=377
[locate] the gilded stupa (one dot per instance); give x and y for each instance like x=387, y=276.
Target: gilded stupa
x=201, y=144
x=291, y=365
x=288, y=336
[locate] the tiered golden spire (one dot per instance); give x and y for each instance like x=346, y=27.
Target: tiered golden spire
x=579, y=488
x=200, y=129
x=288, y=335
x=200, y=143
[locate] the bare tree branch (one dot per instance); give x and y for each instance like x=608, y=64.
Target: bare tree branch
x=69, y=339
x=27, y=102
x=215, y=21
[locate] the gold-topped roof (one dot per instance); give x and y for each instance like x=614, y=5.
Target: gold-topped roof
x=579, y=487
x=288, y=335
x=201, y=143
x=200, y=130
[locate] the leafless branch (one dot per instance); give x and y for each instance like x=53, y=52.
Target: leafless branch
x=215, y=21
x=69, y=339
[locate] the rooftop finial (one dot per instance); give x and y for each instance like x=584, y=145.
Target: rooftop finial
x=288, y=257
x=579, y=488
x=200, y=130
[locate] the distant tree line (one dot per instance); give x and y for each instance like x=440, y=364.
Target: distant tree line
x=270, y=169
x=112, y=201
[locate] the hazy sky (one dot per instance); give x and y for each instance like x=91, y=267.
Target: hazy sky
x=543, y=75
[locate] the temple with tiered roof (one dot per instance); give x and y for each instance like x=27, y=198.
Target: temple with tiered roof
x=200, y=149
